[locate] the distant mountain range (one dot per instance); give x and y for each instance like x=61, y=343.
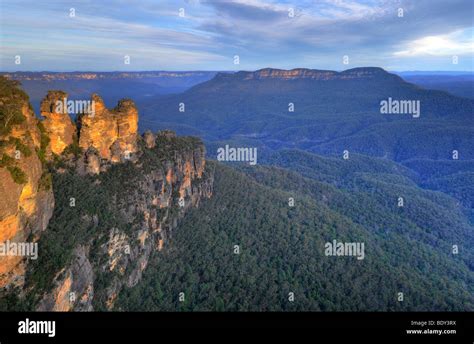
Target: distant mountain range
x=460, y=84
x=111, y=85
x=332, y=112
x=50, y=76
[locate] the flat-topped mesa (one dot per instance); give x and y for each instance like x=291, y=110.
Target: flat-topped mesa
x=304, y=73
x=367, y=73
x=113, y=133
x=57, y=123
x=297, y=73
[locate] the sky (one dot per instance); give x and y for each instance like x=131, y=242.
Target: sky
x=126, y=35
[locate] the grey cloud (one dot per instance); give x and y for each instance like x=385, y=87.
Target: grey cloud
x=245, y=11
x=384, y=30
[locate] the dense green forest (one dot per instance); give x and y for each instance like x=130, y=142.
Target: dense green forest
x=282, y=248
x=408, y=249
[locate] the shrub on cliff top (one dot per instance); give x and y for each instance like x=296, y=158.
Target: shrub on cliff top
x=17, y=174
x=6, y=160
x=73, y=148
x=46, y=182
x=20, y=146
x=11, y=100
x=44, y=142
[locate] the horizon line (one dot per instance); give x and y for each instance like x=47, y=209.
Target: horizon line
x=230, y=71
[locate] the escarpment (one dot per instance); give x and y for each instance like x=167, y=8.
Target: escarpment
x=26, y=198
x=366, y=73
x=117, y=198
x=128, y=215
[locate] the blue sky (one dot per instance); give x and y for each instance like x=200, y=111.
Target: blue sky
x=211, y=33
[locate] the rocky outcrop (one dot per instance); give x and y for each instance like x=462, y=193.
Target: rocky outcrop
x=161, y=199
x=57, y=123
x=91, y=160
x=150, y=139
x=26, y=201
x=113, y=133
x=168, y=179
x=73, y=287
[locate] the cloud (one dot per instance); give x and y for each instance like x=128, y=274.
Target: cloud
x=249, y=9
x=436, y=46
x=261, y=32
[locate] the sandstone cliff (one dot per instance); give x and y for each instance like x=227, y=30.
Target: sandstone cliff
x=314, y=74
x=113, y=133
x=26, y=201
x=73, y=286
x=150, y=198
x=129, y=194
x=58, y=125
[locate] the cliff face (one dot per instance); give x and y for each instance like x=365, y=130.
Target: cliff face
x=137, y=203
x=112, y=133
x=314, y=74
x=165, y=182
x=58, y=124
x=73, y=286
x=26, y=202
x=161, y=199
